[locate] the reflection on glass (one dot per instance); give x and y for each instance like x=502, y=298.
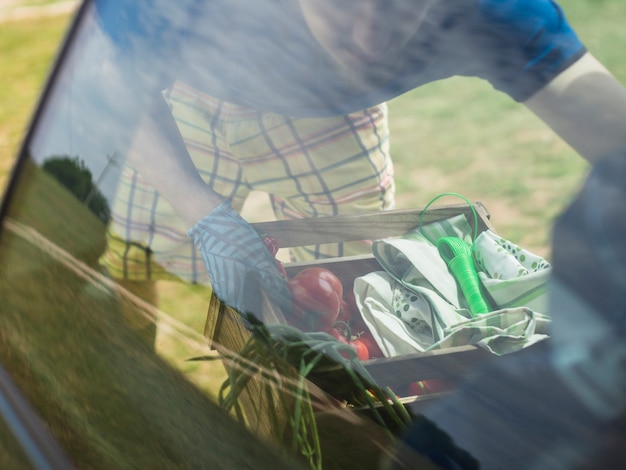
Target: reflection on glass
x=76, y=177
x=137, y=191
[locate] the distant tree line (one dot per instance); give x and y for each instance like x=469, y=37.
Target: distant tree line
x=72, y=173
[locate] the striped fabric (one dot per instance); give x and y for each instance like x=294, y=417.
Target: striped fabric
x=310, y=167
x=231, y=250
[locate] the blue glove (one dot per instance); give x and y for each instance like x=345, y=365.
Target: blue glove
x=233, y=252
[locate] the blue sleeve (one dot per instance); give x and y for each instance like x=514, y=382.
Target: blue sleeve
x=524, y=44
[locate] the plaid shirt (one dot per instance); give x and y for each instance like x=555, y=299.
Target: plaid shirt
x=310, y=167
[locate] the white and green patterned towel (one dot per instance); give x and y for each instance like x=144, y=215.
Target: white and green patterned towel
x=416, y=305
x=512, y=275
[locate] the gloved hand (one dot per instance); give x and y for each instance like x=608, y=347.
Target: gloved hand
x=233, y=251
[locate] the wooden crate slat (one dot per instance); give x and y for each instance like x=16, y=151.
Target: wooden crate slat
x=334, y=229
x=346, y=268
x=449, y=363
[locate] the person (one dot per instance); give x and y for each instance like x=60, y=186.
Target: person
x=318, y=59
x=310, y=166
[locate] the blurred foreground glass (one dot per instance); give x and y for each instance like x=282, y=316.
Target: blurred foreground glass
x=105, y=299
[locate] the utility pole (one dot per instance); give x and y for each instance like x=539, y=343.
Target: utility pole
x=112, y=161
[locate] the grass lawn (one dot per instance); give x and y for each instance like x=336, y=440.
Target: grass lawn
x=103, y=348
x=27, y=50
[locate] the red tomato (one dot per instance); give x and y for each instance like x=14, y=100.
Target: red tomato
x=371, y=344
x=416, y=388
x=316, y=294
x=338, y=334
x=426, y=387
x=361, y=350
x=323, y=274
x=341, y=332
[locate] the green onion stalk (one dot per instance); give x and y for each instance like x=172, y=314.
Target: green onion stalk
x=285, y=357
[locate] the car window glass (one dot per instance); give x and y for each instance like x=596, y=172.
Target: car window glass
x=296, y=225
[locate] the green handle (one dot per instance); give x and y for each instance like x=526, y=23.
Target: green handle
x=458, y=256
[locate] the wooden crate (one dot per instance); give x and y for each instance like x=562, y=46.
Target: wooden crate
x=345, y=433
x=224, y=327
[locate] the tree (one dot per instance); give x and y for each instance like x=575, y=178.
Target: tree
x=74, y=175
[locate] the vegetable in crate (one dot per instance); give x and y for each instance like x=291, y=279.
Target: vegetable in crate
x=342, y=333
x=351, y=315
x=426, y=387
x=319, y=303
x=373, y=349
x=317, y=296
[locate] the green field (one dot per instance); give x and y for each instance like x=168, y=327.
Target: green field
x=27, y=50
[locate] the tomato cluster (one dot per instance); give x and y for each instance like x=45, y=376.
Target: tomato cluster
x=321, y=304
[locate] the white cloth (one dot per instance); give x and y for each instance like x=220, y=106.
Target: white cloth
x=416, y=305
